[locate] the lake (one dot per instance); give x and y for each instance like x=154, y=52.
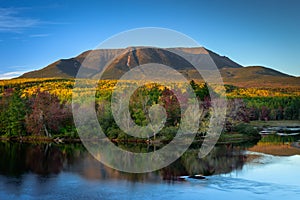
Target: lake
x=268, y=169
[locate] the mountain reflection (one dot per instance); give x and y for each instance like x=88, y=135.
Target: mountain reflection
x=46, y=159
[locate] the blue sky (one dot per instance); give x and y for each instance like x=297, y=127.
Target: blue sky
x=35, y=33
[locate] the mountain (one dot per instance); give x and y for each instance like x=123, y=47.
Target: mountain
x=125, y=59
x=119, y=61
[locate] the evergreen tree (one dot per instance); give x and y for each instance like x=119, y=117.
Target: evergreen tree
x=12, y=114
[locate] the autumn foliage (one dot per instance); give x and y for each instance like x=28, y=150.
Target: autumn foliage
x=42, y=107
x=47, y=114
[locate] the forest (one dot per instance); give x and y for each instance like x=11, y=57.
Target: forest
x=43, y=107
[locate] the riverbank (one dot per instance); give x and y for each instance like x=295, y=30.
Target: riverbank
x=237, y=138
x=227, y=138
x=40, y=139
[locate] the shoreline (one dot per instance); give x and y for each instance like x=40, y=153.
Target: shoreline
x=261, y=123
x=224, y=139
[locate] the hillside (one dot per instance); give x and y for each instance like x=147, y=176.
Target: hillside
x=258, y=76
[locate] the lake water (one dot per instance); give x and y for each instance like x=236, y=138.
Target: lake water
x=267, y=170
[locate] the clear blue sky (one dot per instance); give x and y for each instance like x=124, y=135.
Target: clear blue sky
x=36, y=33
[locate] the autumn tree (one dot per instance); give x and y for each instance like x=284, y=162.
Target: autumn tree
x=48, y=114
x=172, y=106
x=236, y=112
x=201, y=92
x=265, y=113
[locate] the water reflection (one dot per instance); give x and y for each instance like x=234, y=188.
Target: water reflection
x=278, y=146
x=51, y=171
x=47, y=159
x=43, y=159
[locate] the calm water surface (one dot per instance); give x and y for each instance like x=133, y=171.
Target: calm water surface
x=246, y=171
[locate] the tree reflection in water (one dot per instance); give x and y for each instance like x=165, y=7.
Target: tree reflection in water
x=46, y=159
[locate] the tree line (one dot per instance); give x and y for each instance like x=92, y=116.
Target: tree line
x=45, y=113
